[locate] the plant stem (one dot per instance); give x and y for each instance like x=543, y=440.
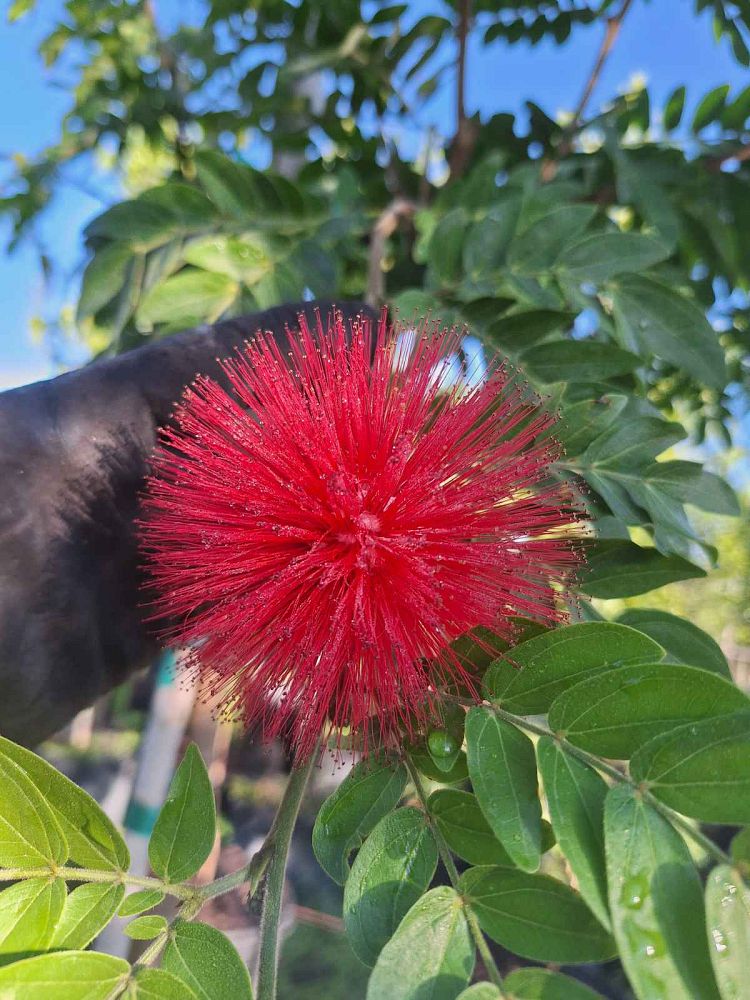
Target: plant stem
x=450, y=866
x=601, y=765
x=95, y=875
x=280, y=838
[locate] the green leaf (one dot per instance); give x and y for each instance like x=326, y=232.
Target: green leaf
x=689, y=483
x=370, y=791
x=520, y=330
x=673, y=109
x=431, y=955
x=207, y=961
x=229, y=185
x=29, y=911
x=740, y=848
x=614, y=713
x=487, y=241
x=88, y=909
x=655, y=900
x=538, y=246
x=139, y=902
x=103, y=278
x=185, y=829
x=581, y=423
x=577, y=361
x=146, y=928
x=535, y=916
x=481, y=991
x=156, y=984
x=426, y=766
x=466, y=831
x=575, y=797
x=600, y=256
x=393, y=868
x=30, y=836
x=187, y=298
x=668, y=324
x=502, y=767
x=543, y=984
x=138, y=223
x=728, y=923
x=446, y=246
x=538, y=670
x=74, y=975
x=701, y=769
x=623, y=569
x=683, y=641
x=93, y=840
x=245, y=258
x=710, y=107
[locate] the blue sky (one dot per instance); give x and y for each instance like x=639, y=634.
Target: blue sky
x=662, y=39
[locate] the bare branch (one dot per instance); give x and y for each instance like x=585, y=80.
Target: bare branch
x=399, y=208
x=466, y=131
x=614, y=24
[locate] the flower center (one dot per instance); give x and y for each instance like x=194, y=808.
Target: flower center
x=361, y=534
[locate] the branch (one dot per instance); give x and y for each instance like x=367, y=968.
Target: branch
x=450, y=866
x=614, y=23
x=466, y=131
x=399, y=208
x=281, y=838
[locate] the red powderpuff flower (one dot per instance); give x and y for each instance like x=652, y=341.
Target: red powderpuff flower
x=321, y=534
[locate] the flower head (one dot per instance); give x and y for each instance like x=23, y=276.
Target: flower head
x=321, y=533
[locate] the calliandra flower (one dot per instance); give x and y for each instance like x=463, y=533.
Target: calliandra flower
x=321, y=533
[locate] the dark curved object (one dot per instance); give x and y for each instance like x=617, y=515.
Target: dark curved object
x=73, y=455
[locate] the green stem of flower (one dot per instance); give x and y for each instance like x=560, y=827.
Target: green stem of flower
x=450, y=866
x=280, y=838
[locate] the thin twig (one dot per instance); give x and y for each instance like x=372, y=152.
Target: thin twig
x=612, y=30
x=466, y=132
x=609, y=769
x=450, y=866
x=385, y=226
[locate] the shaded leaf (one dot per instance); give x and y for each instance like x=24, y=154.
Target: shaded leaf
x=156, y=984
x=538, y=670
x=577, y=361
x=367, y=793
x=187, y=298
x=728, y=923
x=600, y=256
x=431, y=955
x=683, y=641
x=535, y=916
x=543, y=984
x=393, y=868
x=668, y=324
x=623, y=569
x=207, y=961
x=466, y=831
x=701, y=769
x=503, y=773
x=655, y=900
x=614, y=713
x=575, y=797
